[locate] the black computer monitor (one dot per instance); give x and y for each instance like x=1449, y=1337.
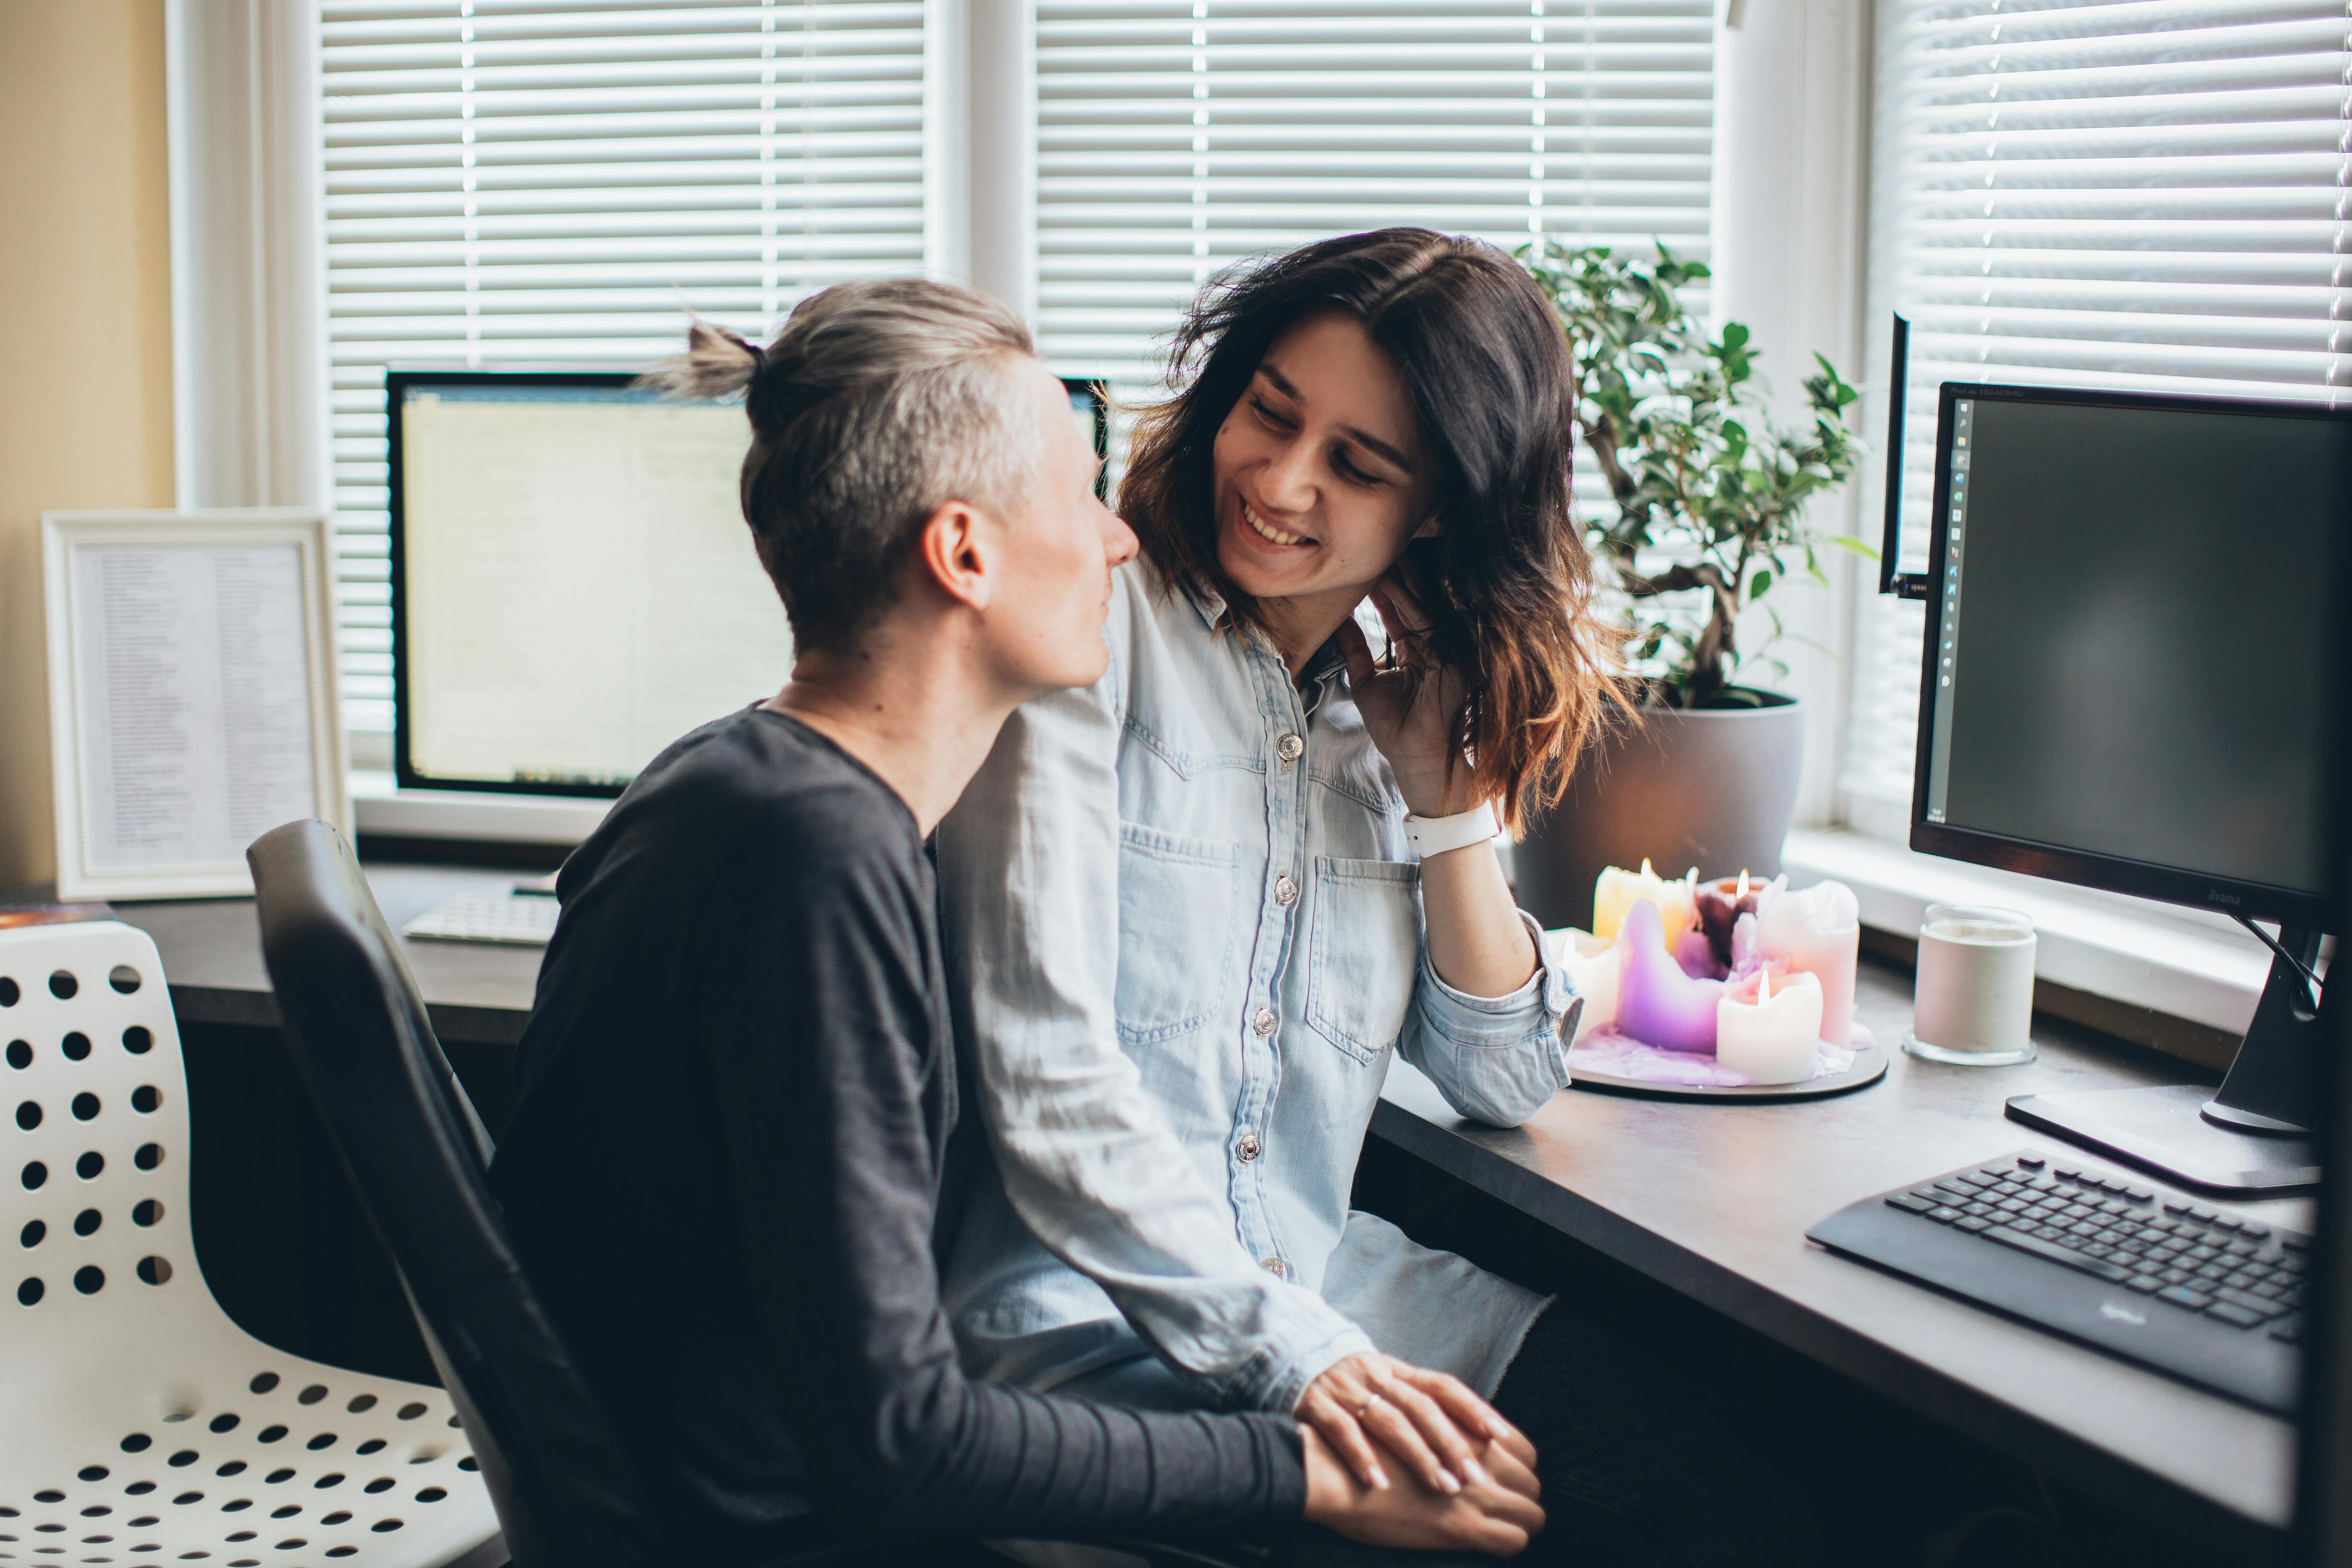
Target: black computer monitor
x=573, y=585
x=2131, y=648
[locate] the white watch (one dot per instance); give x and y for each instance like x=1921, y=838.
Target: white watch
x=1435, y=835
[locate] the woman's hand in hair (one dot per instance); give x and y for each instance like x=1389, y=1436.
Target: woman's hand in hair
x=1479, y=941
x=1496, y=1513
x=1409, y=701
x=1429, y=1422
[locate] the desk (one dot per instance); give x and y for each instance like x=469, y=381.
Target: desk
x=1683, y=1193
x=1670, y=1189
x=475, y=993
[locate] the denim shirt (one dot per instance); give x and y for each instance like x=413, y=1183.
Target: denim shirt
x=1184, y=933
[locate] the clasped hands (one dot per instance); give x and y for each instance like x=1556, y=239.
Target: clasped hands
x=1400, y=1456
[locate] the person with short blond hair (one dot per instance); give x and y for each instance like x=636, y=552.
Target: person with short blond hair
x=739, y=1078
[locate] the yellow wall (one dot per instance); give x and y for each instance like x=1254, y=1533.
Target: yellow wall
x=85, y=333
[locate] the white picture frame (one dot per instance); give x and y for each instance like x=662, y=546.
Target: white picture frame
x=175, y=726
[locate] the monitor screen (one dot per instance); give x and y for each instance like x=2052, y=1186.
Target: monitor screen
x=574, y=583
x=2129, y=639
x=576, y=586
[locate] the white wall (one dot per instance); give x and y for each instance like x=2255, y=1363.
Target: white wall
x=248, y=274
x=1791, y=118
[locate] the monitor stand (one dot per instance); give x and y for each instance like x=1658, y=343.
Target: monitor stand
x=2244, y=1138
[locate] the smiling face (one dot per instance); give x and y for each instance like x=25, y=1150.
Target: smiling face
x=1319, y=474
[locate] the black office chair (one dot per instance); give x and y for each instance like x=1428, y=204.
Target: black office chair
x=566, y=1490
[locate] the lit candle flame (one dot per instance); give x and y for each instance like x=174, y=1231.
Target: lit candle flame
x=1743, y=886
x=1763, y=986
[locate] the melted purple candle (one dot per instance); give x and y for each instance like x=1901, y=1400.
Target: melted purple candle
x=1697, y=958
x=1657, y=1003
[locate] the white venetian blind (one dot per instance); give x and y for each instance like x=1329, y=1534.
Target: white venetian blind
x=1175, y=136
x=2138, y=194
x=527, y=181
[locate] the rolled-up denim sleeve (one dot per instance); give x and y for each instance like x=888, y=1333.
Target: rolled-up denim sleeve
x=1029, y=883
x=1496, y=1059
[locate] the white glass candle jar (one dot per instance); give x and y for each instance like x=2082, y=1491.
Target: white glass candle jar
x=1974, y=999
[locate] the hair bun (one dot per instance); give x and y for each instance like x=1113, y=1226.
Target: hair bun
x=716, y=363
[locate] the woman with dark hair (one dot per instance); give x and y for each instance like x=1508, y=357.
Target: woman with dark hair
x=1505, y=615
x=1190, y=911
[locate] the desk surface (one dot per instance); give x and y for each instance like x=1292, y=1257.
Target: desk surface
x=1675, y=1190
x=473, y=990
x=1714, y=1200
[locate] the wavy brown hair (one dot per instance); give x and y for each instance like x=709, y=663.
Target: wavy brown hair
x=1506, y=579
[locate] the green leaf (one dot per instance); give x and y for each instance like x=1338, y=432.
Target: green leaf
x=1704, y=475
x=1847, y=541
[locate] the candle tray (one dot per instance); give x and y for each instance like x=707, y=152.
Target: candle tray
x=1869, y=1066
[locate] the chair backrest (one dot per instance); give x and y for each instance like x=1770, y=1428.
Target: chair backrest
x=566, y=1490
x=130, y=1404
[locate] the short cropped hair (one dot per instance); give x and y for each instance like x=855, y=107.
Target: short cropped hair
x=877, y=404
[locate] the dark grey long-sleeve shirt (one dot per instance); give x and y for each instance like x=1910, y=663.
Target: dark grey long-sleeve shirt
x=738, y=1088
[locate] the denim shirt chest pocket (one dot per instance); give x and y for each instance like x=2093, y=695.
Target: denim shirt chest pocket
x=1365, y=939
x=1176, y=899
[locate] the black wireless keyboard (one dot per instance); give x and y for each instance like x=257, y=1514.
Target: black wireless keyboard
x=2094, y=1254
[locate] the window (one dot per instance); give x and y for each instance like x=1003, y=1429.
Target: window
x=535, y=181
x=518, y=182
x=1175, y=136
x=2147, y=195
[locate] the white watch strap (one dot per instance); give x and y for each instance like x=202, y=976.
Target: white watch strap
x=1435, y=835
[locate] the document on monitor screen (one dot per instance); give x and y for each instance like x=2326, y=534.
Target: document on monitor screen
x=581, y=586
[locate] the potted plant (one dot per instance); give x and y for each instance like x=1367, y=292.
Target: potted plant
x=1707, y=501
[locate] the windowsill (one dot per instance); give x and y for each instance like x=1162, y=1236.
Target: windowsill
x=383, y=810
x=2181, y=980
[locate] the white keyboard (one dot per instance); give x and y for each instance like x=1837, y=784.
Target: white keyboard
x=526, y=920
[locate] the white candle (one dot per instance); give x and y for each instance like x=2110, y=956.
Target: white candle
x=1617, y=890
x=1592, y=967
x=1817, y=929
x=1773, y=1035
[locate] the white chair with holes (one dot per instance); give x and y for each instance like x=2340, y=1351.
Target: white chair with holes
x=141, y=1425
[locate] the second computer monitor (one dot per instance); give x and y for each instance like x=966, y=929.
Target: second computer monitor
x=2131, y=644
